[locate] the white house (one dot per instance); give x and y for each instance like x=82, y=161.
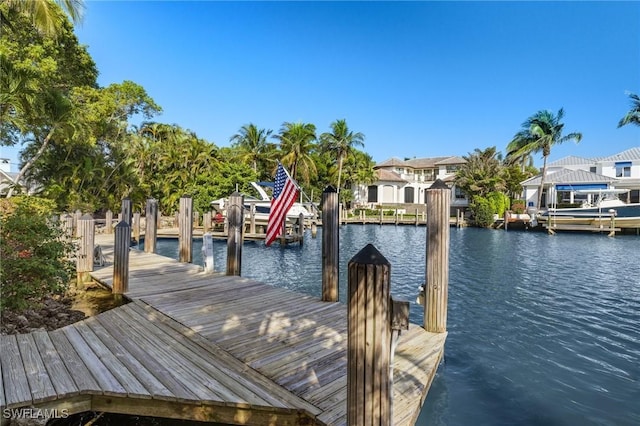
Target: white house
x=570, y=174
x=8, y=179
x=403, y=182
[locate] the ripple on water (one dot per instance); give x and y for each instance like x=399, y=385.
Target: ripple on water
x=542, y=330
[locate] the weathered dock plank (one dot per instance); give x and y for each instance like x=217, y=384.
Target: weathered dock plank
x=13, y=372
x=108, y=384
x=40, y=384
x=58, y=373
x=121, y=330
x=81, y=375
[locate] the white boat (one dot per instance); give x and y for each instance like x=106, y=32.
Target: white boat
x=603, y=208
x=262, y=205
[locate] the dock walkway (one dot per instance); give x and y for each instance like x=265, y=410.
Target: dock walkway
x=205, y=347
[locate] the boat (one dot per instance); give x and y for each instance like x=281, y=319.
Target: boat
x=262, y=205
x=602, y=210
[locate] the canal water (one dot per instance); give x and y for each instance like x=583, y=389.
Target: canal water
x=543, y=330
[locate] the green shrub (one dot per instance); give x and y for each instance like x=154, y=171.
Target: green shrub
x=498, y=203
x=482, y=211
x=33, y=255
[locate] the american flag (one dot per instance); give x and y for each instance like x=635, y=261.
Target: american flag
x=285, y=192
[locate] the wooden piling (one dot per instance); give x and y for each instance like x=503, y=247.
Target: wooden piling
x=301, y=228
x=252, y=218
x=185, y=229
x=368, y=339
x=330, y=245
x=66, y=221
x=121, y=258
x=125, y=211
x=76, y=217
x=151, y=228
x=416, y=217
x=206, y=222
x=438, y=199
x=84, y=259
x=136, y=227
x=314, y=229
x=108, y=222
x=207, y=252
x=235, y=220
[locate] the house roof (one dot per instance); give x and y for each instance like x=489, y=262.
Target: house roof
x=393, y=161
x=420, y=163
x=567, y=176
x=571, y=161
x=628, y=155
x=388, y=176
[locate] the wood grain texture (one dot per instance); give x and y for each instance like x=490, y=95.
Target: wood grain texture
x=209, y=347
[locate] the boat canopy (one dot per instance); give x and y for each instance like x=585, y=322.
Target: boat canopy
x=602, y=191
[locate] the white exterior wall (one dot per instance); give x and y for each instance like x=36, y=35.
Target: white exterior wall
x=609, y=169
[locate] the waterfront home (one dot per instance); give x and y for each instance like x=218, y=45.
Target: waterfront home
x=568, y=179
x=402, y=183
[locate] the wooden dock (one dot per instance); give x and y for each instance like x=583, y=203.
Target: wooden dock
x=206, y=347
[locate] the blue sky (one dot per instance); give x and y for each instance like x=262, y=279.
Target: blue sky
x=419, y=79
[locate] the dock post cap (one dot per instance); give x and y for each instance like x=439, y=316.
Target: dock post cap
x=86, y=216
x=369, y=255
x=330, y=188
x=122, y=224
x=438, y=184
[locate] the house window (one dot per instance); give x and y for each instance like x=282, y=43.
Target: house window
x=372, y=194
x=452, y=168
x=623, y=169
x=429, y=174
x=459, y=194
x=593, y=169
x=409, y=194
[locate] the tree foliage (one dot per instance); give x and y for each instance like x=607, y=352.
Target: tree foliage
x=33, y=253
x=297, y=142
x=481, y=173
x=340, y=142
x=633, y=116
x=540, y=133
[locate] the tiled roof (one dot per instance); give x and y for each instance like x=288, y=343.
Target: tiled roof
x=389, y=176
x=394, y=161
x=566, y=176
x=452, y=160
x=420, y=163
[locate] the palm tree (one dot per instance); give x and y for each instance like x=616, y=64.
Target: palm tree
x=341, y=141
x=633, y=116
x=252, y=141
x=296, y=144
x=58, y=110
x=45, y=14
x=481, y=173
x=539, y=133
